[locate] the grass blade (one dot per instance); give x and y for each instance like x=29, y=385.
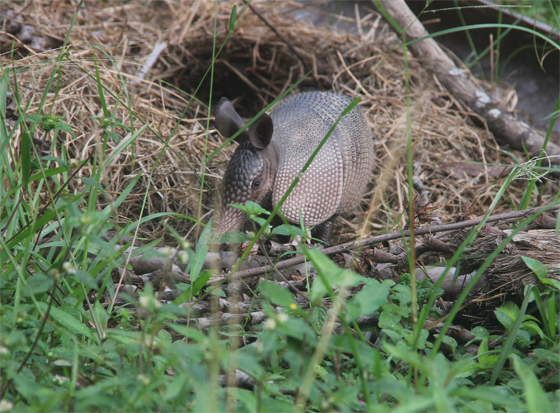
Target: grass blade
x=512, y=335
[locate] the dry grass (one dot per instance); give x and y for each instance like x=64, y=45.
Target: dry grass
x=254, y=67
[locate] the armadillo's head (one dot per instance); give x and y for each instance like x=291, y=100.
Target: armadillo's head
x=250, y=173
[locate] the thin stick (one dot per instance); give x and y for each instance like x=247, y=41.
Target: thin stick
x=507, y=217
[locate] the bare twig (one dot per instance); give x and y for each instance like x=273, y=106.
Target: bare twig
x=507, y=217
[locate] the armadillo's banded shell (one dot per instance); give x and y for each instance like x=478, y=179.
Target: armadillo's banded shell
x=337, y=177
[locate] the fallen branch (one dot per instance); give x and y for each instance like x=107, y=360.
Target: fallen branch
x=503, y=218
x=462, y=84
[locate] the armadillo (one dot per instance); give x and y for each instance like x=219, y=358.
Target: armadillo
x=273, y=150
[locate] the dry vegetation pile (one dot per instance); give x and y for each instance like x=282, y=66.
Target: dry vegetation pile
x=461, y=164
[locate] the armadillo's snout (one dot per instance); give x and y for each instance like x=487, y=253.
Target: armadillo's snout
x=232, y=219
x=242, y=183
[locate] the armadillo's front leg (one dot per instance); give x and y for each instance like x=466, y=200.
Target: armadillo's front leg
x=324, y=231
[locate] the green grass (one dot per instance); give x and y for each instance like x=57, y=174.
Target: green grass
x=63, y=348
x=545, y=11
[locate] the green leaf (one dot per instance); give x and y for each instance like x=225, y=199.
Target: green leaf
x=507, y=313
x=3, y=94
x=63, y=126
x=194, y=289
x=403, y=294
x=67, y=321
x=232, y=18
x=85, y=278
x=124, y=144
x=369, y=299
x=56, y=159
x=404, y=354
x=102, y=101
x=276, y=294
x=274, y=404
x=259, y=220
x=523, y=339
x=42, y=221
x=28, y=386
x=536, y=266
x=38, y=284
x=47, y=173
x=218, y=292
x=289, y=230
x=329, y=275
x=548, y=355
x=552, y=315
x=298, y=329
x=201, y=252
x=125, y=337
x=26, y=148
x=233, y=236
x=480, y=332
x=496, y=395
x=485, y=360
x=536, y=398
x=189, y=332
x=551, y=281
x=92, y=182
x=201, y=281
x=352, y=345
x=101, y=318
x=533, y=328
x=251, y=208
x=513, y=334
x=319, y=317
x=540, y=271
x=38, y=119
x=451, y=342
x=174, y=388
x=503, y=318
x=164, y=336
x=114, y=136
x=390, y=320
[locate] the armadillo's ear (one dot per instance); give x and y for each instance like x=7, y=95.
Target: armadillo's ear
x=228, y=121
x=260, y=132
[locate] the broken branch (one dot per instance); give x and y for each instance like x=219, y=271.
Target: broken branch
x=462, y=84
